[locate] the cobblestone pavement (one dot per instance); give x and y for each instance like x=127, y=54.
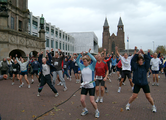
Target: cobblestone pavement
x=23, y=104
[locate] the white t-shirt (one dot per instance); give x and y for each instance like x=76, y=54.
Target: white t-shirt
x=45, y=69
x=126, y=63
x=155, y=62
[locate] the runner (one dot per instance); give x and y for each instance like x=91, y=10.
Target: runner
x=113, y=68
x=57, y=62
x=77, y=76
x=88, y=76
x=140, y=70
x=35, y=66
x=155, y=62
x=4, y=67
x=101, y=74
x=126, y=67
x=45, y=71
x=23, y=69
x=16, y=69
x=65, y=67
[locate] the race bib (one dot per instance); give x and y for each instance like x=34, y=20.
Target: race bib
x=14, y=70
x=44, y=68
x=126, y=64
x=64, y=66
x=99, y=77
x=56, y=63
x=76, y=64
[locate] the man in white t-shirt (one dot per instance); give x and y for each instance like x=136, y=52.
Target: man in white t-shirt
x=126, y=67
x=155, y=62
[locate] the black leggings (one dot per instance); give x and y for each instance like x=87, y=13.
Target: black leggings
x=70, y=70
x=44, y=80
x=114, y=68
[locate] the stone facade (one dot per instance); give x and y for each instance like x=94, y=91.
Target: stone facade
x=109, y=42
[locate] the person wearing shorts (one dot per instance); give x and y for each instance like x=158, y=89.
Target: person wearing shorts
x=15, y=71
x=126, y=68
x=87, y=71
x=155, y=63
x=140, y=70
x=101, y=74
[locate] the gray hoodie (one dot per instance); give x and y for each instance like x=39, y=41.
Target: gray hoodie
x=23, y=66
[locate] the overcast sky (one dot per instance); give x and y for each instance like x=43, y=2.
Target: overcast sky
x=144, y=20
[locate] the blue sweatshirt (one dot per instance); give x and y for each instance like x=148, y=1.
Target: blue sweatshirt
x=140, y=71
x=35, y=65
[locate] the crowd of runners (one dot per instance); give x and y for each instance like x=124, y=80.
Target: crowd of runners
x=90, y=71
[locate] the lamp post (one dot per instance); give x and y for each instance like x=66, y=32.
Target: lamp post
x=42, y=22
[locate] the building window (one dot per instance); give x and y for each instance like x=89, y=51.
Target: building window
x=56, y=33
x=47, y=30
x=47, y=43
x=59, y=45
x=52, y=31
x=52, y=43
x=35, y=24
x=63, y=36
x=56, y=45
x=63, y=46
x=66, y=37
x=66, y=47
x=12, y=23
x=59, y=35
x=20, y=25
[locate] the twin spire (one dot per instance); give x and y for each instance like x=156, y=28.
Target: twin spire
x=119, y=24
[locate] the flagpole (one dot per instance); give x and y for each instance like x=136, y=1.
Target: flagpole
x=128, y=45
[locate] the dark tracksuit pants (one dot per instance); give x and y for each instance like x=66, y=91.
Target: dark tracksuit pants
x=44, y=80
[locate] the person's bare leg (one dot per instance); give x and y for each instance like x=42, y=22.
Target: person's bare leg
x=25, y=76
x=131, y=83
x=132, y=98
x=102, y=91
x=120, y=83
x=150, y=99
x=154, y=78
x=21, y=79
x=97, y=91
x=83, y=101
x=13, y=77
x=18, y=77
x=157, y=79
x=92, y=100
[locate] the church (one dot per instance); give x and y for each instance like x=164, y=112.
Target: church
x=109, y=42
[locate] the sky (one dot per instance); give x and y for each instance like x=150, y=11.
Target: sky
x=144, y=20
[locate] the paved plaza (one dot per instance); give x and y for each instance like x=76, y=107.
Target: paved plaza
x=23, y=104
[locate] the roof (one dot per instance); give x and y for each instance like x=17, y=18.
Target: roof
x=106, y=23
x=120, y=22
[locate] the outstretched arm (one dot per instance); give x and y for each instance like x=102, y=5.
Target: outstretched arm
x=135, y=50
x=78, y=61
x=93, y=59
x=116, y=49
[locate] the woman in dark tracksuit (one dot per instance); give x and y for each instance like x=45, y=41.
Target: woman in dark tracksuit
x=45, y=70
x=140, y=70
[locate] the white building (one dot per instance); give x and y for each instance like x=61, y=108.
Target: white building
x=84, y=41
x=55, y=38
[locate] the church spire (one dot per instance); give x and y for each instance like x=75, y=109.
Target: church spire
x=106, y=23
x=120, y=22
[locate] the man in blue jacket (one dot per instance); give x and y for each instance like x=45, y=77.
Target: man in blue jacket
x=35, y=66
x=140, y=70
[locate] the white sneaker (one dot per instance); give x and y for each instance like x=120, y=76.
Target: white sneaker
x=153, y=84
x=97, y=100
x=148, y=76
x=12, y=83
x=32, y=81
x=154, y=110
x=29, y=86
x=127, y=107
x=70, y=78
x=97, y=114
x=38, y=94
x=119, y=89
x=110, y=80
x=65, y=89
x=21, y=85
x=67, y=78
x=59, y=83
x=57, y=94
x=157, y=84
x=158, y=76
x=123, y=83
x=84, y=112
x=132, y=88
x=101, y=100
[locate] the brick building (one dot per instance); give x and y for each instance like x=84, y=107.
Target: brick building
x=109, y=42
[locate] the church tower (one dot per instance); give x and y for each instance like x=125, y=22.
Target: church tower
x=106, y=35
x=120, y=35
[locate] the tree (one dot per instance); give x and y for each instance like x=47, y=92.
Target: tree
x=161, y=49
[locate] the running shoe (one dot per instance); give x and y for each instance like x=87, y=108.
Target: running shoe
x=21, y=85
x=148, y=76
x=119, y=89
x=153, y=84
x=97, y=114
x=106, y=90
x=101, y=100
x=65, y=89
x=70, y=79
x=57, y=94
x=123, y=83
x=157, y=84
x=97, y=100
x=29, y=86
x=154, y=110
x=32, y=81
x=127, y=107
x=109, y=79
x=67, y=78
x=38, y=94
x=12, y=83
x=84, y=113
x=158, y=76
x=59, y=83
